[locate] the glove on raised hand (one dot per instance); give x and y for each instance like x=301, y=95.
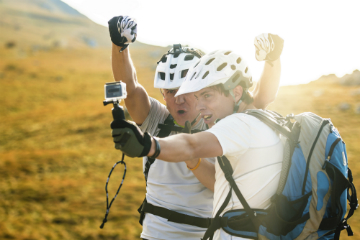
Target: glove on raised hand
x=268, y=47
x=130, y=139
x=123, y=31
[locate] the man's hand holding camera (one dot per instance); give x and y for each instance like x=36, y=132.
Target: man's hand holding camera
x=130, y=139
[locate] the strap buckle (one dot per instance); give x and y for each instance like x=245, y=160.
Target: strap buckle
x=228, y=176
x=354, y=205
x=177, y=48
x=289, y=116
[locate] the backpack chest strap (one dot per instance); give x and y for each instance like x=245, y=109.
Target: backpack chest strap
x=174, y=216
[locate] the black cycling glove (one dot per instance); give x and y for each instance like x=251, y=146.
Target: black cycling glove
x=130, y=139
x=123, y=31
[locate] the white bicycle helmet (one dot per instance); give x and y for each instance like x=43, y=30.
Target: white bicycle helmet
x=218, y=67
x=172, y=68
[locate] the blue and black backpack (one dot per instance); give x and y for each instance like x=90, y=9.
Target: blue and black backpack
x=314, y=188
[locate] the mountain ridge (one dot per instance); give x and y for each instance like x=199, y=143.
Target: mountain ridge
x=50, y=23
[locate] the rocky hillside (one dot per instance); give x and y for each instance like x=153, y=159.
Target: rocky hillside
x=352, y=79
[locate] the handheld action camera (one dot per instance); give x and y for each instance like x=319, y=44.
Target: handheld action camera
x=115, y=91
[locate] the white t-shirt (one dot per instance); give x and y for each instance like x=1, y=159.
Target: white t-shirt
x=255, y=153
x=173, y=186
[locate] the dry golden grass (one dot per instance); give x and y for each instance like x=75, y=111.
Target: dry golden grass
x=56, y=150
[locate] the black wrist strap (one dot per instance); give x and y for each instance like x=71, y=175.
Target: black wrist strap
x=157, y=149
x=146, y=142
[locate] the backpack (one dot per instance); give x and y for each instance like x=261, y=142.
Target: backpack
x=314, y=187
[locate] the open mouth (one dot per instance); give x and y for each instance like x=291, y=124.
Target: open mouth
x=207, y=117
x=181, y=112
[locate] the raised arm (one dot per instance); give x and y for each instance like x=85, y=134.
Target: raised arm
x=268, y=85
x=268, y=48
x=137, y=101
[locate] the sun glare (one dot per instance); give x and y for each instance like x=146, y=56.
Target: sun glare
x=320, y=36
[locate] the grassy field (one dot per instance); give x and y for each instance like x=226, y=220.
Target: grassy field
x=56, y=150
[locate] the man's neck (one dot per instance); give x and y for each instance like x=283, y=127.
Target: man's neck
x=244, y=106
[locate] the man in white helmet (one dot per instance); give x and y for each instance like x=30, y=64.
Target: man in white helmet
x=220, y=82
x=177, y=205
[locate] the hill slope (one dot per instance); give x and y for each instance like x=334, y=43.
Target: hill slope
x=48, y=23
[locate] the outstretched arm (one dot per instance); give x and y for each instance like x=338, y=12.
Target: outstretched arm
x=188, y=146
x=177, y=148
x=123, y=31
x=268, y=48
x=191, y=146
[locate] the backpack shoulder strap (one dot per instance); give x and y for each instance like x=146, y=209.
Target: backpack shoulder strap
x=280, y=124
x=271, y=121
x=167, y=127
x=225, y=166
x=164, y=132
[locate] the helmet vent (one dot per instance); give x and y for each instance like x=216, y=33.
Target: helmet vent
x=173, y=66
x=221, y=67
x=207, y=73
x=176, y=55
x=193, y=76
x=246, y=70
x=189, y=57
x=171, y=76
x=208, y=62
x=213, y=52
x=233, y=67
x=197, y=64
x=227, y=53
x=238, y=60
x=184, y=72
x=163, y=59
x=162, y=75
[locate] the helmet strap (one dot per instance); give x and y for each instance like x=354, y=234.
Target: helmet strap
x=191, y=124
x=195, y=120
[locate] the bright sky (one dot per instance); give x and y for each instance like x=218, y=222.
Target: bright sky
x=321, y=37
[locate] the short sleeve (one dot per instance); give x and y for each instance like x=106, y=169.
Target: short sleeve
x=157, y=114
x=233, y=135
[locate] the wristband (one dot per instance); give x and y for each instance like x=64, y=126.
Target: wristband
x=157, y=149
x=197, y=165
x=270, y=63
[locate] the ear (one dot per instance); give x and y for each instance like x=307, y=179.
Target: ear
x=238, y=91
x=162, y=93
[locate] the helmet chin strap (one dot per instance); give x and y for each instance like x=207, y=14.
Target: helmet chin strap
x=191, y=124
x=237, y=104
x=195, y=120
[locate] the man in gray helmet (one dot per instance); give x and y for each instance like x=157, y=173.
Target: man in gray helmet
x=177, y=204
